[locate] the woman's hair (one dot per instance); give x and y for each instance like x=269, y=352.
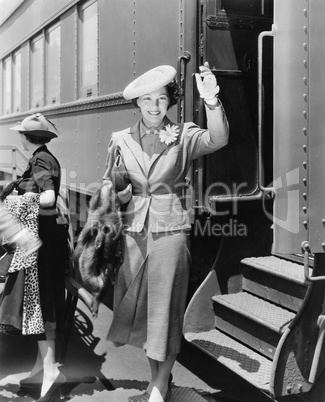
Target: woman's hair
x=174, y=93
x=36, y=139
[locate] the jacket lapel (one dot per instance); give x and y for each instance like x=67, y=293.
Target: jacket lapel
x=161, y=146
x=132, y=140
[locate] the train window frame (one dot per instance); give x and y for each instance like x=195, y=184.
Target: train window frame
x=7, y=84
x=265, y=6
x=91, y=90
x=38, y=101
x=16, y=81
x=52, y=97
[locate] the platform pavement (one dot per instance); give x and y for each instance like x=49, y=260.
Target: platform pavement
x=99, y=372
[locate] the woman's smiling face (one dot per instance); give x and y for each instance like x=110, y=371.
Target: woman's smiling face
x=153, y=106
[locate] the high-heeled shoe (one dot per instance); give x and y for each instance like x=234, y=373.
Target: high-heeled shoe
x=145, y=396
x=54, y=391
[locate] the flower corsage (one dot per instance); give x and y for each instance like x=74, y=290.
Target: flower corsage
x=169, y=134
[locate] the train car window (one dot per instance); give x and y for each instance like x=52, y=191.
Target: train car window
x=88, y=49
x=251, y=7
x=6, y=85
x=52, y=71
x=36, y=72
x=16, y=72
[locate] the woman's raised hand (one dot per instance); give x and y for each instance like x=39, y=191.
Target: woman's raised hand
x=206, y=83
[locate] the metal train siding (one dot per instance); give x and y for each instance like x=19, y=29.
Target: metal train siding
x=131, y=37
x=257, y=205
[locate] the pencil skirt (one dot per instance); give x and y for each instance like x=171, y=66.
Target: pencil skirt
x=150, y=293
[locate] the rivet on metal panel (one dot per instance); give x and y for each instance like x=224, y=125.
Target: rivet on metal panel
x=305, y=46
x=305, y=223
x=305, y=12
x=304, y=114
x=323, y=245
x=304, y=196
x=304, y=148
x=305, y=80
x=305, y=63
x=305, y=97
x=304, y=209
x=304, y=181
x=323, y=222
x=304, y=164
x=304, y=130
x=305, y=29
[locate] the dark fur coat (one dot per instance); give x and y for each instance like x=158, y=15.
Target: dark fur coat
x=99, y=249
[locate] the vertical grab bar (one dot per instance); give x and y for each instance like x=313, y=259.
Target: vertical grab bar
x=181, y=78
x=261, y=36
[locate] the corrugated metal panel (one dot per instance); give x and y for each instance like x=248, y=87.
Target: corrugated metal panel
x=316, y=199
x=155, y=27
x=26, y=21
x=290, y=123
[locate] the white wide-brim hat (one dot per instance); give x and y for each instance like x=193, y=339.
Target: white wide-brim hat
x=153, y=79
x=37, y=125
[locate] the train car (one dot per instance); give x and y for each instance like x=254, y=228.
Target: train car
x=256, y=288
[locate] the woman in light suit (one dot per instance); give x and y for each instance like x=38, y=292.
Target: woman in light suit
x=151, y=287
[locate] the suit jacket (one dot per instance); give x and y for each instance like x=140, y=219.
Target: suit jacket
x=157, y=204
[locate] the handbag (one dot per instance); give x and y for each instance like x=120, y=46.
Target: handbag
x=119, y=174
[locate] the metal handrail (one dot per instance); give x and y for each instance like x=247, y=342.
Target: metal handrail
x=261, y=36
x=306, y=248
x=181, y=76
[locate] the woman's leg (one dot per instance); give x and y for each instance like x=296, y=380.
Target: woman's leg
x=160, y=387
x=154, y=367
x=38, y=366
x=51, y=371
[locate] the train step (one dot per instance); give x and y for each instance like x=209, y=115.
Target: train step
x=248, y=364
x=275, y=279
x=251, y=320
x=244, y=331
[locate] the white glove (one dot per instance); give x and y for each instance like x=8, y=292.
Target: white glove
x=207, y=87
